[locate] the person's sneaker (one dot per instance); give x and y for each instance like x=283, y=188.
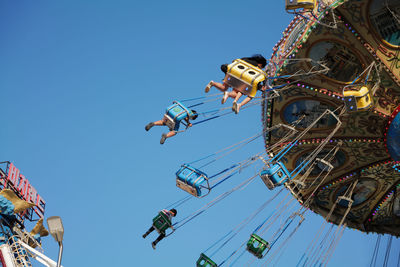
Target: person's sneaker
x=148, y=126
x=238, y=108
x=235, y=107
x=144, y=235
x=208, y=87
x=163, y=138
x=224, y=98
x=153, y=245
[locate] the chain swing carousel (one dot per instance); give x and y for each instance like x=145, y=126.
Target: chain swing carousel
x=331, y=127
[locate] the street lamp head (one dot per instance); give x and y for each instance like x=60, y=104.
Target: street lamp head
x=56, y=228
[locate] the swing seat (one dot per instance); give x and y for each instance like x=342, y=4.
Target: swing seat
x=298, y=184
x=256, y=246
x=357, y=98
x=326, y=163
x=192, y=180
x=161, y=222
x=244, y=77
x=205, y=261
x=345, y=201
x=306, y=5
x=275, y=175
x=175, y=114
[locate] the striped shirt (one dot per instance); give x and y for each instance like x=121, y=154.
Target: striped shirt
x=168, y=213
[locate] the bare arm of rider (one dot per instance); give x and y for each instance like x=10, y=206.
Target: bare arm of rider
x=188, y=122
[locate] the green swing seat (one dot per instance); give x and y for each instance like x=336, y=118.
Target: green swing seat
x=161, y=222
x=205, y=261
x=256, y=246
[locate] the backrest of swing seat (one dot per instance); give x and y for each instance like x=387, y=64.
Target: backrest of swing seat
x=205, y=261
x=344, y=201
x=161, y=222
x=267, y=180
x=305, y=4
x=357, y=98
x=240, y=70
x=256, y=245
x=278, y=173
x=326, y=163
x=191, y=179
x=240, y=86
x=264, y=174
x=177, y=112
x=169, y=122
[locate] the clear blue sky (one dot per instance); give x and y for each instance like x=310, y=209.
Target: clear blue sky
x=79, y=80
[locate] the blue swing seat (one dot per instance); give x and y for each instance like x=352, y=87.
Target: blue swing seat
x=176, y=113
x=192, y=180
x=275, y=175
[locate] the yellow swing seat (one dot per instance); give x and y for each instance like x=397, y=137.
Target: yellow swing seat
x=357, y=97
x=244, y=77
x=306, y=5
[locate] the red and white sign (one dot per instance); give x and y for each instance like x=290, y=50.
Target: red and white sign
x=27, y=191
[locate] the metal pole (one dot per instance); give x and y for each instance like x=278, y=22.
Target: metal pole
x=60, y=251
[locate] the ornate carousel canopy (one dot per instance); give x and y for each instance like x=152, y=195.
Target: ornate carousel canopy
x=358, y=41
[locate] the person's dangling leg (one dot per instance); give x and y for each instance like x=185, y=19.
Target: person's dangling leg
x=244, y=102
x=235, y=107
x=220, y=86
x=238, y=95
x=151, y=229
x=156, y=123
x=159, y=238
x=165, y=136
x=231, y=94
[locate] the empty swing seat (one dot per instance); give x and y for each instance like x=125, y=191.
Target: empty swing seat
x=345, y=201
x=161, y=222
x=244, y=77
x=175, y=114
x=192, y=180
x=205, y=261
x=327, y=166
x=357, y=98
x=307, y=5
x=275, y=175
x=256, y=246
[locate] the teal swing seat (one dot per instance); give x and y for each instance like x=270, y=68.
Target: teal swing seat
x=161, y=222
x=256, y=246
x=205, y=261
x=175, y=114
x=193, y=181
x=275, y=175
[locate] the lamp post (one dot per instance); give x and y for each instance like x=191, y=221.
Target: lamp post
x=56, y=229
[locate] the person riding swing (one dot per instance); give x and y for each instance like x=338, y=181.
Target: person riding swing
x=174, y=115
x=250, y=69
x=161, y=223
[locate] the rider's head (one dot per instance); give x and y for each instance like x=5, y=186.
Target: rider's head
x=174, y=212
x=260, y=60
x=194, y=115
